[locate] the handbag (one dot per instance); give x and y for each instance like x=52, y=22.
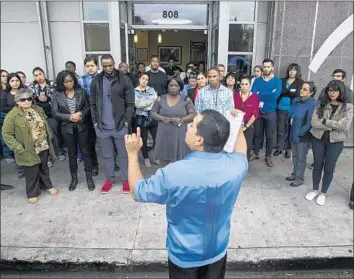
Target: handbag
x=143, y=120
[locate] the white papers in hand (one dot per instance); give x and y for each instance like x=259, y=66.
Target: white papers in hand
x=235, y=124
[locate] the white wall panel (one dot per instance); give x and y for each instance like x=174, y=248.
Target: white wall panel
x=66, y=42
x=21, y=47
x=64, y=11
x=18, y=12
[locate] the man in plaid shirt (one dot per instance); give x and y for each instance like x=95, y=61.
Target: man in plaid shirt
x=215, y=96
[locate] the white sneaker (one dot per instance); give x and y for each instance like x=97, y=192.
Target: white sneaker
x=310, y=196
x=147, y=163
x=10, y=160
x=321, y=199
x=62, y=157
x=50, y=164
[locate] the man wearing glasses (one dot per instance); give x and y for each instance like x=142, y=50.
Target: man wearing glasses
x=340, y=74
x=112, y=103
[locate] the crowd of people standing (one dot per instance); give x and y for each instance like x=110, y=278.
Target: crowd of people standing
x=48, y=119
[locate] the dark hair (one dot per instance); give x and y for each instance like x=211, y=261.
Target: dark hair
x=107, y=57
x=296, y=67
x=2, y=70
x=190, y=62
x=202, y=73
x=231, y=74
x=312, y=86
x=258, y=67
x=245, y=77
x=60, y=80
x=140, y=64
x=91, y=59
x=178, y=80
x=201, y=63
x=143, y=74
x=70, y=62
x=214, y=128
x=334, y=85
x=172, y=58
x=37, y=69
x=154, y=56
x=214, y=69
x=9, y=77
x=21, y=73
x=336, y=71
x=268, y=60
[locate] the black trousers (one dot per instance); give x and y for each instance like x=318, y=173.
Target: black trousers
x=283, y=142
x=325, y=155
x=37, y=176
x=352, y=193
x=249, y=135
x=92, y=144
x=54, y=126
x=212, y=271
x=72, y=141
x=266, y=123
x=144, y=135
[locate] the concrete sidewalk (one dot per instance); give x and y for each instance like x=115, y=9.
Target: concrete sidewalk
x=271, y=220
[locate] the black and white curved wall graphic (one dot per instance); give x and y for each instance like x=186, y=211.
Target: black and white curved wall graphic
x=333, y=40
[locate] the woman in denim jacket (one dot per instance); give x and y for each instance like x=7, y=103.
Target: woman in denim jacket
x=300, y=116
x=145, y=98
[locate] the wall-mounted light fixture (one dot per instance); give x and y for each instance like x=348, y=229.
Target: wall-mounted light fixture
x=136, y=38
x=159, y=38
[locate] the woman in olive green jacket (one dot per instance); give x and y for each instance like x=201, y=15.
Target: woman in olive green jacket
x=27, y=133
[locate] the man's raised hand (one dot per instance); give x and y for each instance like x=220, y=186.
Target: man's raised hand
x=133, y=142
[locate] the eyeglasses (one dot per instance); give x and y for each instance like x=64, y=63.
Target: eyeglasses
x=22, y=100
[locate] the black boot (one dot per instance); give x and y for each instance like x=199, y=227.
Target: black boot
x=90, y=184
x=73, y=182
x=95, y=171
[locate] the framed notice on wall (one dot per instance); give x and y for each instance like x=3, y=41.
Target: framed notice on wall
x=142, y=54
x=167, y=52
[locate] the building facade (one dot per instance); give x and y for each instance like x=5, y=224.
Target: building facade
x=237, y=34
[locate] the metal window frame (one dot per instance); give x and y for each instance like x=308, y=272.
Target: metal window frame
x=82, y=29
x=255, y=29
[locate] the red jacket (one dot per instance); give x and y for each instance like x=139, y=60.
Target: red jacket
x=249, y=107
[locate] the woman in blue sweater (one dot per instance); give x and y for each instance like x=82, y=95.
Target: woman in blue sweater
x=291, y=86
x=300, y=119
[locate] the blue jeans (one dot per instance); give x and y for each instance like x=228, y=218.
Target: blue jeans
x=325, y=156
x=299, y=154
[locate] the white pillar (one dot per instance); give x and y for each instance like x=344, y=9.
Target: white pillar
x=114, y=30
x=223, y=45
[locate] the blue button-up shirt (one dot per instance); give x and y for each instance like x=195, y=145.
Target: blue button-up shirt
x=85, y=82
x=220, y=99
x=199, y=204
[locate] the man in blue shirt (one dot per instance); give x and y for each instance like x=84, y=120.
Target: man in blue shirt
x=91, y=67
x=268, y=87
x=199, y=202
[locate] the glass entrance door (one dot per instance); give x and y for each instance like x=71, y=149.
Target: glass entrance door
x=128, y=50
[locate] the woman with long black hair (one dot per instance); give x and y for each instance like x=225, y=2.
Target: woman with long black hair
x=330, y=124
x=7, y=103
x=71, y=106
x=291, y=86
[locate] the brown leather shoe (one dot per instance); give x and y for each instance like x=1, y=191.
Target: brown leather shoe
x=269, y=162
